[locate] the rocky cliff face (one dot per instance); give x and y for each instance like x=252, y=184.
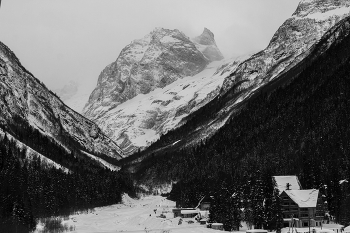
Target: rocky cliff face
x=207, y=45
x=153, y=84
x=154, y=61
x=23, y=96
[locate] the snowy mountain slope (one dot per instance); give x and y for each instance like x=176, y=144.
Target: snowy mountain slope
x=154, y=83
x=288, y=46
x=141, y=120
x=291, y=43
x=23, y=98
x=156, y=60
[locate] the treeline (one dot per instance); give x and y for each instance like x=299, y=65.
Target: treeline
x=30, y=189
x=301, y=128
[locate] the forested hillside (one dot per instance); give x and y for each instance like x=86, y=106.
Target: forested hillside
x=299, y=125
x=32, y=189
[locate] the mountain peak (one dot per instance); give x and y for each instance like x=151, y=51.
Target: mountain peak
x=155, y=61
x=206, y=38
x=144, y=67
x=206, y=44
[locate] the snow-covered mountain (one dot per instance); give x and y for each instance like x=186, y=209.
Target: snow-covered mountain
x=291, y=43
x=288, y=46
x=154, y=83
x=25, y=100
x=141, y=121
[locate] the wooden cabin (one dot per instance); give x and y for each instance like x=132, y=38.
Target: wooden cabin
x=302, y=208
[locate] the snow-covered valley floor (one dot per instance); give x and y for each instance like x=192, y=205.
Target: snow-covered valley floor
x=142, y=215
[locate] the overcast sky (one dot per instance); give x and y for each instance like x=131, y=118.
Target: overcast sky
x=63, y=40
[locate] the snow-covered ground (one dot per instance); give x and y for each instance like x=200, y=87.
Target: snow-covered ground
x=142, y=215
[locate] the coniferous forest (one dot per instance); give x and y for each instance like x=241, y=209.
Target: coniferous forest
x=31, y=189
x=301, y=127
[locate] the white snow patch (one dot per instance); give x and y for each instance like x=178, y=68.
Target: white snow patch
x=141, y=215
x=30, y=153
x=320, y=16
x=282, y=181
x=343, y=181
x=160, y=107
x=304, y=198
x=103, y=162
x=169, y=39
x=176, y=142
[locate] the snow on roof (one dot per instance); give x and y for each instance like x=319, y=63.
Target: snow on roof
x=304, y=198
x=332, y=226
x=324, y=230
x=256, y=230
x=290, y=219
x=300, y=230
x=343, y=181
x=313, y=229
x=189, y=211
x=216, y=224
x=281, y=182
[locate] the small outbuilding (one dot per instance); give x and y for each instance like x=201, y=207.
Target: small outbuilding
x=203, y=221
x=217, y=226
x=189, y=213
x=185, y=213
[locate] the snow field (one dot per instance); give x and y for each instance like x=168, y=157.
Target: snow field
x=140, y=215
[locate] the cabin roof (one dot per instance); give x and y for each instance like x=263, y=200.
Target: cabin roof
x=281, y=182
x=193, y=211
x=304, y=198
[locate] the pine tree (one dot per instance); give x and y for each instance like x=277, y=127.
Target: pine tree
x=276, y=222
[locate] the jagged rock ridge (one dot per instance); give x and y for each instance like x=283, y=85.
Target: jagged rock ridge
x=23, y=96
